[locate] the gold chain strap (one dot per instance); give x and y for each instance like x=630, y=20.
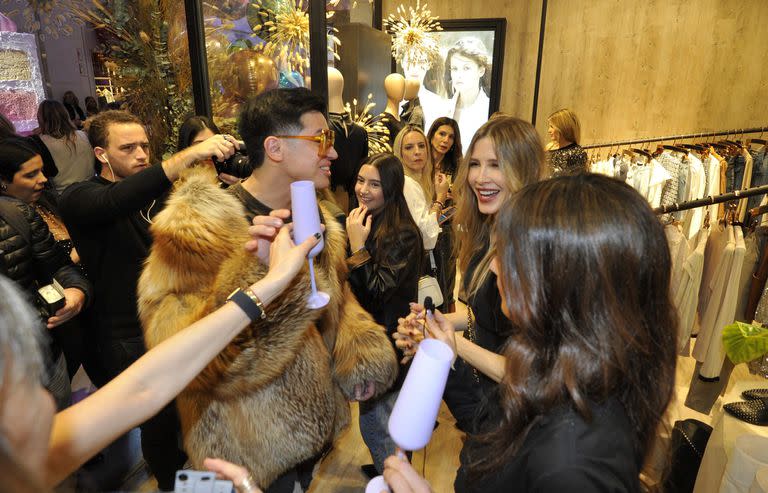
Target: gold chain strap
x=471, y=336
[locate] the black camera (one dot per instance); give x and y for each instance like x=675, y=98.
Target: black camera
x=236, y=165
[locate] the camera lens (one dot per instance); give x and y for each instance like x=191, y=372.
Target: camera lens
x=182, y=477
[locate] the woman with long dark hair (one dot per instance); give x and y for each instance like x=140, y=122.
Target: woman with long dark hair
x=196, y=129
x=383, y=273
x=72, y=153
x=72, y=104
x=445, y=144
x=589, y=367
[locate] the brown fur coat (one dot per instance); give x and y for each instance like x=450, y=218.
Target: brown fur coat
x=278, y=393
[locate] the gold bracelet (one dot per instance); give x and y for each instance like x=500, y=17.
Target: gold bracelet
x=258, y=302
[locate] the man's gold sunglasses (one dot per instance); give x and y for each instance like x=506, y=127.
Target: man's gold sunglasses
x=325, y=139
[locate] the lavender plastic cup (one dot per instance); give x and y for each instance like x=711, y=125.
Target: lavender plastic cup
x=377, y=485
x=305, y=214
x=413, y=417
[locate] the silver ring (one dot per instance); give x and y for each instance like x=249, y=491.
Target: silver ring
x=247, y=485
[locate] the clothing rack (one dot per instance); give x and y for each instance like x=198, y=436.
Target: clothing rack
x=698, y=135
x=712, y=199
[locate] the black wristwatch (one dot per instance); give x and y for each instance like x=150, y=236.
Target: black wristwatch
x=249, y=303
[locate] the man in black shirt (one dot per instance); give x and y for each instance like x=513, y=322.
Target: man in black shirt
x=108, y=218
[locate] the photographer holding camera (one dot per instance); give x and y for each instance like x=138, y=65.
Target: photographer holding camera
x=197, y=129
x=108, y=218
x=33, y=259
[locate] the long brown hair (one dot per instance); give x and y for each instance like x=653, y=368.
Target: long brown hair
x=585, y=269
x=54, y=120
x=394, y=222
x=427, y=180
x=520, y=155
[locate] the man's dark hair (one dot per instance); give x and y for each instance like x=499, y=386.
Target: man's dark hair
x=276, y=112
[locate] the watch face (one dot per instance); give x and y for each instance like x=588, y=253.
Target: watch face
x=232, y=294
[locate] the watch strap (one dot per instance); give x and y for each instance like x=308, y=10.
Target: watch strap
x=247, y=304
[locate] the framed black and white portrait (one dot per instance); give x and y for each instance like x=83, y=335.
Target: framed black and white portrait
x=463, y=82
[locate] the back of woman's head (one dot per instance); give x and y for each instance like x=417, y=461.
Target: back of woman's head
x=21, y=366
x=54, y=120
x=585, y=269
x=14, y=152
x=520, y=156
x=566, y=122
x=192, y=126
x=453, y=157
x=6, y=128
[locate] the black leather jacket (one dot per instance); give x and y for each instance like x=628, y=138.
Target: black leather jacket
x=36, y=264
x=385, y=283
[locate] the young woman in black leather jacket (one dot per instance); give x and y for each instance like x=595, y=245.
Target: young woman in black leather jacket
x=30, y=254
x=385, y=264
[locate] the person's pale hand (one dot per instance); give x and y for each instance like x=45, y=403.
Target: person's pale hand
x=408, y=336
x=365, y=390
x=286, y=259
x=232, y=472
x=219, y=147
x=263, y=232
x=403, y=478
x=74, y=301
x=440, y=328
x=442, y=184
x=358, y=227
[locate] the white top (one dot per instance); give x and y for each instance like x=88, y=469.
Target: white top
x=422, y=216
x=74, y=161
x=721, y=291
x=471, y=117
x=693, y=219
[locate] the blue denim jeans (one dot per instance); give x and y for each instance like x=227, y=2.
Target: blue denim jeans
x=759, y=175
x=374, y=418
x=734, y=174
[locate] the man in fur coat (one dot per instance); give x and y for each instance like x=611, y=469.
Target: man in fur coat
x=277, y=396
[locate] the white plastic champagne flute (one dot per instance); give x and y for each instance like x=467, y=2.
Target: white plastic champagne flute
x=306, y=222
x=413, y=416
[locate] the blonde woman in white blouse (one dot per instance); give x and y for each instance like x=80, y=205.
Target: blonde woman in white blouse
x=425, y=194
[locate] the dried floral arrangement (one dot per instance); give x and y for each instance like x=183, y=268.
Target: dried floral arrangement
x=134, y=37
x=378, y=133
x=284, y=26
x=413, y=38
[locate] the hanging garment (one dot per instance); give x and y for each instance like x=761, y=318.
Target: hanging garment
x=759, y=174
x=751, y=257
x=746, y=182
x=712, y=167
x=685, y=294
x=672, y=162
x=693, y=219
x=721, y=308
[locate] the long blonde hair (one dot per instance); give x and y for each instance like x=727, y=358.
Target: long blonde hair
x=428, y=173
x=566, y=122
x=520, y=155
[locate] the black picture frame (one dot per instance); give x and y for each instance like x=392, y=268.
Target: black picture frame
x=492, y=31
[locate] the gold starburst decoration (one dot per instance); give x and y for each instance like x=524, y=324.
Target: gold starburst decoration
x=413, y=37
x=378, y=133
x=285, y=30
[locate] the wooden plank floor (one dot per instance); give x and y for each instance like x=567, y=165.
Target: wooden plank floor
x=340, y=471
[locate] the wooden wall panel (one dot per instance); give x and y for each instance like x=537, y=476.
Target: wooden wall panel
x=632, y=68
x=643, y=69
